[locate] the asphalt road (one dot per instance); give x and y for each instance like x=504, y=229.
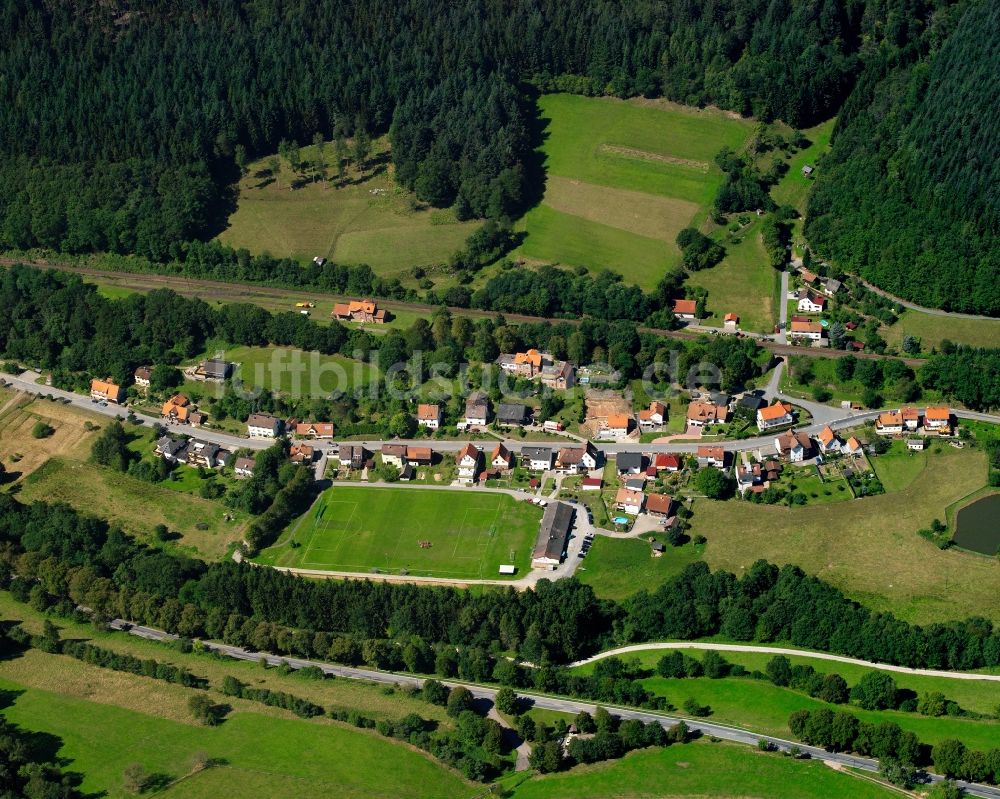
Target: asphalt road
x=923, y=308
x=548, y=703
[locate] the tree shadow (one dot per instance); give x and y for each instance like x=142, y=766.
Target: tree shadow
x=265, y=182
x=534, y=163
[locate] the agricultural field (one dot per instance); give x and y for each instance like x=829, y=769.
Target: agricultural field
x=366, y=219
x=868, y=548
x=22, y=453
x=459, y=534
x=623, y=178
x=701, y=769
x=618, y=567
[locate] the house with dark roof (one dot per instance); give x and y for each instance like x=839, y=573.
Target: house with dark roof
x=263, y=425
x=214, y=369
x=477, y=409
x=629, y=462
x=512, y=414
x=244, y=466
x=553, y=535
x=170, y=448
x=537, y=459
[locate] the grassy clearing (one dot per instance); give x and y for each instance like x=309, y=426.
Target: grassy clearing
x=359, y=529
x=743, y=283
x=702, y=769
x=257, y=750
x=899, y=467
x=932, y=330
x=623, y=178
x=368, y=219
x=136, y=505
x=869, y=548
x=618, y=567
x=21, y=452
x=794, y=187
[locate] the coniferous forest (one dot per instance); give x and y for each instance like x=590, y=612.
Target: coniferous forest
x=121, y=124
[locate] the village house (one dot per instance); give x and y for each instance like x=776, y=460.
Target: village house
x=263, y=425
x=703, y=413
x=106, y=391
x=616, y=425
x=686, y=310
x=513, y=415
x=244, y=466
x=636, y=483
x=937, y=419
x=394, y=455
x=429, y=415
x=807, y=275
x=748, y=476
x=302, y=454
x=730, y=322
x=537, y=459
x=911, y=418
x=813, y=331
x=659, y=505
x=831, y=287
x=711, y=456
x=176, y=409
x=794, y=447
x=592, y=483
x=142, y=376
x=468, y=461
x=421, y=456
x=558, y=375
x=206, y=454
x=812, y=303
x=553, y=535
x=629, y=462
x=574, y=460
x=653, y=416
x=213, y=369
x=889, y=423
x=915, y=444
x=668, y=463
x=751, y=403
x=353, y=456
x=362, y=311
x=774, y=416
x=851, y=447
x=314, y=429
x=501, y=458
x=629, y=501
x=169, y=448
x=477, y=409
x=196, y=418
x=827, y=441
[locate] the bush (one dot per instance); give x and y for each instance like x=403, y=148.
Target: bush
x=42, y=430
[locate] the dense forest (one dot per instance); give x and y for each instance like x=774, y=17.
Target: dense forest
x=909, y=195
x=121, y=126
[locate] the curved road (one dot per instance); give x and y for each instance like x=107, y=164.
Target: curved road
x=545, y=702
x=774, y=650
x=924, y=309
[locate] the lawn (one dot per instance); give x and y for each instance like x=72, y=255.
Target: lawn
x=618, y=567
x=899, y=467
x=623, y=178
x=457, y=534
x=805, y=480
x=368, y=219
x=702, y=769
x=260, y=753
x=742, y=283
x=295, y=372
x=137, y=506
x=869, y=548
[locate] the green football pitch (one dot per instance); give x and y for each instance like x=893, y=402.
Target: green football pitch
x=457, y=534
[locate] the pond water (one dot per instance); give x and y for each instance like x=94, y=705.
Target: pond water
x=977, y=526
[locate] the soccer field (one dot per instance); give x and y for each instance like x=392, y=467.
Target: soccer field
x=456, y=534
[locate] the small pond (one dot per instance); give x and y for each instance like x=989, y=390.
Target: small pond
x=977, y=526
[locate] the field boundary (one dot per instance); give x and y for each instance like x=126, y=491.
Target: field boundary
x=645, y=155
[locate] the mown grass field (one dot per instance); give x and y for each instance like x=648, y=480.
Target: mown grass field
x=618, y=567
x=932, y=330
x=742, y=283
x=368, y=219
x=702, y=769
x=623, y=178
x=899, y=467
x=467, y=534
x=869, y=548
x=22, y=453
